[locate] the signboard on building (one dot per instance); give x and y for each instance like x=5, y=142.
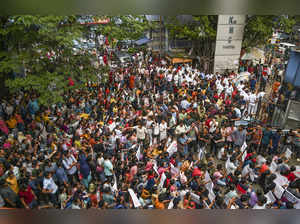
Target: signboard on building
x=229, y=42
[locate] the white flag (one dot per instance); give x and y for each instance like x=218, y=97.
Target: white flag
x=171, y=204
x=244, y=146
x=138, y=153
x=134, y=198
x=162, y=181
x=114, y=187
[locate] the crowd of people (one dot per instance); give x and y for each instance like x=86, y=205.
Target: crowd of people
x=154, y=136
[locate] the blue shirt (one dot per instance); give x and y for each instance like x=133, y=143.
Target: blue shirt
x=252, y=83
x=61, y=175
x=84, y=166
x=266, y=137
x=275, y=139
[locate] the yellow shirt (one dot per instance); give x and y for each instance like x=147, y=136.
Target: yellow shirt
x=85, y=116
x=45, y=118
x=156, y=152
x=13, y=183
x=12, y=123
x=77, y=144
x=220, y=101
x=113, y=100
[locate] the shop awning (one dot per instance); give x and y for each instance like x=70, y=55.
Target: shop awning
x=181, y=60
x=142, y=41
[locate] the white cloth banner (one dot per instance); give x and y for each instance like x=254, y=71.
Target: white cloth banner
x=134, y=198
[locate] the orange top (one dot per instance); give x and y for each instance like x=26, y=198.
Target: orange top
x=276, y=86
x=264, y=168
x=159, y=205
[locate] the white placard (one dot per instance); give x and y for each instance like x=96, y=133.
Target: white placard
x=288, y=153
x=281, y=180
x=246, y=170
x=273, y=167
x=174, y=170
x=172, y=148
x=270, y=197
x=195, y=197
x=134, y=198
x=278, y=191
x=290, y=197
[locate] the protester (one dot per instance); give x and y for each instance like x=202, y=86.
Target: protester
x=155, y=136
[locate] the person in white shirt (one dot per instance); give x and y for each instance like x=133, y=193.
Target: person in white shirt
x=220, y=88
x=252, y=102
x=261, y=204
x=226, y=82
x=70, y=163
x=240, y=86
x=163, y=127
x=155, y=132
x=180, y=129
x=230, y=167
x=50, y=188
x=228, y=91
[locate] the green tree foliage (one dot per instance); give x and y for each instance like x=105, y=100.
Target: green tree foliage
x=202, y=31
x=25, y=41
x=124, y=27
x=259, y=29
